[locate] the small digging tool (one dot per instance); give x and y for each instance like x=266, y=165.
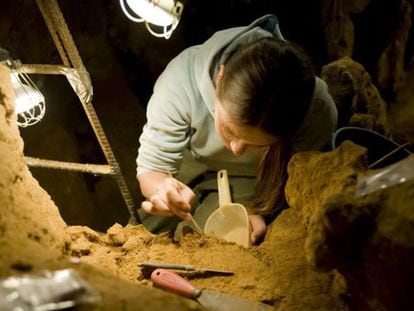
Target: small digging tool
x=212, y=300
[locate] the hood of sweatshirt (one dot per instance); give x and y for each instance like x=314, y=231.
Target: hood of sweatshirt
x=215, y=51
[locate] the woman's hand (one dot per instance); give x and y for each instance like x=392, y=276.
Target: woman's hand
x=171, y=197
x=258, y=228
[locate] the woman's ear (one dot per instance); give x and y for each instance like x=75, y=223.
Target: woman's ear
x=220, y=74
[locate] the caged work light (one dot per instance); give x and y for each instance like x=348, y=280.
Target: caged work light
x=163, y=14
x=29, y=101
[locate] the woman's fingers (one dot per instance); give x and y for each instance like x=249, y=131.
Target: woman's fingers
x=172, y=197
x=258, y=226
x=178, y=205
x=150, y=208
x=187, y=194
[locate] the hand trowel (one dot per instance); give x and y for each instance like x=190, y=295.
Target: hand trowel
x=211, y=300
x=230, y=221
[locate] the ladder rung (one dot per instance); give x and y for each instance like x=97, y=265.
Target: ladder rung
x=44, y=69
x=97, y=169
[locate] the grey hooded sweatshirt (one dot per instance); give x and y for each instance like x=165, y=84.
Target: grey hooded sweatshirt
x=180, y=113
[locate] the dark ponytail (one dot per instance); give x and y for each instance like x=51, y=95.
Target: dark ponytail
x=271, y=179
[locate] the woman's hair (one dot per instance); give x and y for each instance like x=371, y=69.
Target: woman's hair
x=268, y=84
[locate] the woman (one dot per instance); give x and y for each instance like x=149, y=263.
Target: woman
x=242, y=101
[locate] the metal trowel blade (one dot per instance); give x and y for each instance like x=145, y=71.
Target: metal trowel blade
x=216, y=301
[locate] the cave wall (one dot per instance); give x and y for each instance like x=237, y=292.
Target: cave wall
x=367, y=239
x=124, y=61
x=22, y=238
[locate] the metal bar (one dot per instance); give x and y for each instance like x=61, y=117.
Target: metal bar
x=53, y=32
x=96, y=169
x=110, y=157
x=173, y=266
x=388, y=155
x=44, y=69
x=70, y=56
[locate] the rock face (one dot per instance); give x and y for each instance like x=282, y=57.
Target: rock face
x=391, y=71
x=358, y=101
x=374, y=33
x=30, y=224
x=329, y=251
x=339, y=28
x=369, y=241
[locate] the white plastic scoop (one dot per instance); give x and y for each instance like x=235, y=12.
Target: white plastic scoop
x=230, y=221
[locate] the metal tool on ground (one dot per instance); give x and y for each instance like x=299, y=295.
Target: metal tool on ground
x=196, y=225
x=148, y=267
x=212, y=300
x=230, y=221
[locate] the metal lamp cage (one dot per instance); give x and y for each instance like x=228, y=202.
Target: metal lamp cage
x=30, y=102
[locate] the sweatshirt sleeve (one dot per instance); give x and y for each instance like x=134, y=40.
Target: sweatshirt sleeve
x=167, y=131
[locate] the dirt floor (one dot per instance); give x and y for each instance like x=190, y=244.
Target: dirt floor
x=320, y=254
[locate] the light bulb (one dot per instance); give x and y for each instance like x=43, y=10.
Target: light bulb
x=162, y=13
x=29, y=102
